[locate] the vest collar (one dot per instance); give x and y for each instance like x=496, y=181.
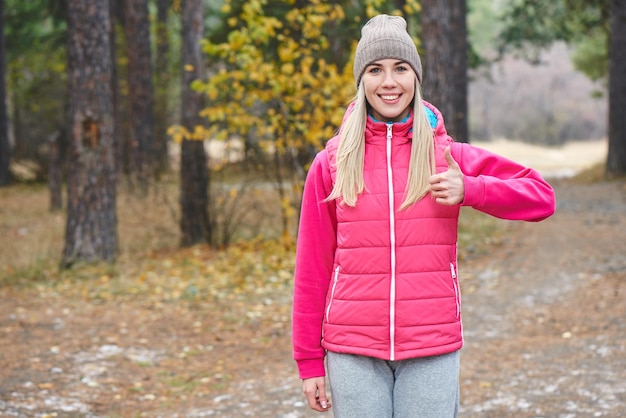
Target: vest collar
x=376, y=131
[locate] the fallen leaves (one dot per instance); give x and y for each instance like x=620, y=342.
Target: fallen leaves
x=164, y=327
x=245, y=276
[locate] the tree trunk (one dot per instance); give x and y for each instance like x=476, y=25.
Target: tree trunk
x=444, y=38
x=461, y=47
x=5, y=146
x=140, y=89
x=194, y=174
x=162, y=87
x=116, y=16
x=91, y=230
x=55, y=171
x=616, y=160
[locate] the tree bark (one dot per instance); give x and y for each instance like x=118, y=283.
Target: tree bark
x=5, y=146
x=91, y=230
x=118, y=144
x=616, y=159
x=162, y=86
x=194, y=174
x=140, y=89
x=444, y=38
x=461, y=47
x=55, y=171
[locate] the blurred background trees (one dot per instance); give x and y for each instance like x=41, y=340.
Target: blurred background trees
x=597, y=31
x=271, y=83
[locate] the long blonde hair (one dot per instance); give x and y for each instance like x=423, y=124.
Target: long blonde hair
x=349, y=181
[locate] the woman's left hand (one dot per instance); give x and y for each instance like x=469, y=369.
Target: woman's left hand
x=447, y=188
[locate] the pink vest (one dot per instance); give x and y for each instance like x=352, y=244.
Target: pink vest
x=395, y=292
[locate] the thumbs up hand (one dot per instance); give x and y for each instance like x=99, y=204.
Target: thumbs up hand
x=447, y=188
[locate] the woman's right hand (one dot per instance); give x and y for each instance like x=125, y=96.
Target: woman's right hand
x=314, y=390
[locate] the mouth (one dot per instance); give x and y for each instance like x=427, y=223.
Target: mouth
x=389, y=97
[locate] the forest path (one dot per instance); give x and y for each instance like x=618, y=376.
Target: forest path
x=544, y=328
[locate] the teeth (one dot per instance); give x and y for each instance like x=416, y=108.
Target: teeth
x=390, y=97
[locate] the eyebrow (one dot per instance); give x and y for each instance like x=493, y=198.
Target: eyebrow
x=398, y=62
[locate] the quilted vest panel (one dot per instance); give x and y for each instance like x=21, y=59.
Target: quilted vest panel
x=395, y=293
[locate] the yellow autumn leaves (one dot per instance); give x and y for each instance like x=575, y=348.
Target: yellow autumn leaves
x=267, y=81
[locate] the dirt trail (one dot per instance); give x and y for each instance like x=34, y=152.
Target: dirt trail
x=543, y=319
x=543, y=314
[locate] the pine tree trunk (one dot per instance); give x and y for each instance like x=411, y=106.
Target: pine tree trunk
x=162, y=77
x=140, y=89
x=115, y=89
x=460, y=46
x=91, y=230
x=616, y=160
x=194, y=174
x=444, y=38
x=5, y=146
x=55, y=172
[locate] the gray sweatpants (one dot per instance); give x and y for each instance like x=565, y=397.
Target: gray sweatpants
x=366, y=387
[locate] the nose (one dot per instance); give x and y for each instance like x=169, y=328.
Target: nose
x=389, y=80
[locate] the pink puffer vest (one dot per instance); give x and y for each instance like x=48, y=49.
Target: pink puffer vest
x=394, y=293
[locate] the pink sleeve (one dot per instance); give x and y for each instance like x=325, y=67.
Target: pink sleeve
x=501, y=187
x=315, y=252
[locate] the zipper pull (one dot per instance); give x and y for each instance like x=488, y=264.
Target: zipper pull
x=452, y=271
x=389, y=130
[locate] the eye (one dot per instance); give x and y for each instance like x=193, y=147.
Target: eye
x=373, y=70
x=402, y=68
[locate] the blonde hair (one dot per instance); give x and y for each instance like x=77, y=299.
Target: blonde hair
x=349, y=181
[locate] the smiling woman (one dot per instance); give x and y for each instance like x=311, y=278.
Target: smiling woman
x=376, y=277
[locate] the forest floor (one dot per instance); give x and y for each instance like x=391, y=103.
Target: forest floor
x=543, y=314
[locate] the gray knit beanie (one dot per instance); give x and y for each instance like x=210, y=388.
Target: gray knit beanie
x=382, y=37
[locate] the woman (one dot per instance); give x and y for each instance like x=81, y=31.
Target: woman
x=376, y=283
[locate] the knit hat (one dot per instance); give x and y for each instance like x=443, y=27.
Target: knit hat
x=382, y=37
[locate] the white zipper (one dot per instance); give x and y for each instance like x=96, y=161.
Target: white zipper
x=392, y=240
x=457, y=293
x=332, y=292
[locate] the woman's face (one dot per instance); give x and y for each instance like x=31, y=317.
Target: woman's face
x=389, y=89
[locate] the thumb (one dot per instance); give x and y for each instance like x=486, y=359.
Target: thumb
x=450, y=159
x=323, y=398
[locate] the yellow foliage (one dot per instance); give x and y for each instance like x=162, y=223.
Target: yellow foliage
x=198, y=134
x=180, y=133
x=247, y=95
x=287, y=54
x=177, y=133
x=237, y=40
x=288, y=69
